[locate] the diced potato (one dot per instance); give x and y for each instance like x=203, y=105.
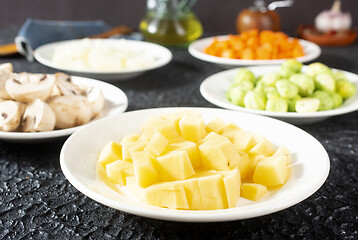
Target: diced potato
x=158, y=124
x=192, y=192
x=110, y=153
x=127, y=142
x=271, y=171
x=254, y=159
x=174, y=165
x=118, y=171
x=217, y=125
x=136, y=147
x=230, y=131
x=212, y=191
x=232, y=183
x=192, y=128
x=156, y=145
x=263, y=147
x=144, y=169
x=253, y=191
x=218, y=154
x=166, y=194
x=190, y=148
x=244, y=165
x=176, y=116
x=130, y=138
x=283, y=151
x=244, y=141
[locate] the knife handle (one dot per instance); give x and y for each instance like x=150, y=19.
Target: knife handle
x=9, y=49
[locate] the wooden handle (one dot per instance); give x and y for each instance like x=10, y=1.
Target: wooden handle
x=9, y=49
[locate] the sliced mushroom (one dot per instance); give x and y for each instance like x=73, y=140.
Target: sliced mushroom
x=38, y=117
x=6, y=71
x=70, y=111
x=95, y=97
x=66, y=86
x=10, y=115
x=26, y=87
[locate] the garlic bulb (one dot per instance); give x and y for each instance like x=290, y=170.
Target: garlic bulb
x=333, y=19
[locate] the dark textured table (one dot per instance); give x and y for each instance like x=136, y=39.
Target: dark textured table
x=36, y=201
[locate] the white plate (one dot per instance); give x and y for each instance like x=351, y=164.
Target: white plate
x=196, y=49
x=80, y=152
x=161, y=55
x=214, y=90
x=116, y=102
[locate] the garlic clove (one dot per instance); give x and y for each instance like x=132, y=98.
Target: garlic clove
x=70, y=111
x=26, y=87
x=38, y=117
x=10, y=115
x=6, y=71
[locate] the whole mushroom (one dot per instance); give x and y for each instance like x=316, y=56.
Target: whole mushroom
x=26, y=87
x=38, y=117
x=70, y=111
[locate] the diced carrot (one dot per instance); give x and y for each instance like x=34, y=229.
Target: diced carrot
x=247, y=53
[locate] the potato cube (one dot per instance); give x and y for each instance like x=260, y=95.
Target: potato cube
x=263, y=147
x=110, y=153
x=158, y=124
x=217, y=125
x=232, y=183
x=230, y=131
x=253, y=191
x=212, y=191
x=156, y=145
x=245, y=166
x=283, y=151
x=166, y=194
x=118, y=171
x=271, y=171
x=176, y=116
x=130, y=138
x=144, y=169
x=218, y=154
x=244, y=141
x=192, y=128
x=174, y=165
x=192, y=192
x=190, y=147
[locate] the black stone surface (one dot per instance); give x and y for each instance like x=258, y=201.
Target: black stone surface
x=37, y=202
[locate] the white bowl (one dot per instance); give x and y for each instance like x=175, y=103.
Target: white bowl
x=214, y=90
x=80, y=152
x=196, y=49
x=115, y=102
x=161, y=56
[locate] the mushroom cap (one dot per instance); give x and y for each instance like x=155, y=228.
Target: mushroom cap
x=70, y=111
x=6, y=71
x=38, y=117
x=26, y=87
x=96, y=98
x=10, y=115
x=65, y=85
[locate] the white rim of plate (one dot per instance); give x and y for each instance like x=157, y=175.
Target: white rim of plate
x=165, y=56
x=220, y=215
x=196, y=50
x=228, y=105
x=68, y=131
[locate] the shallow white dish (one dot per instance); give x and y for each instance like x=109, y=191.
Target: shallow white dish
x=79, y=156
x=161, y=55
x=116, y=102
x=214, y=89
x=196, y=49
